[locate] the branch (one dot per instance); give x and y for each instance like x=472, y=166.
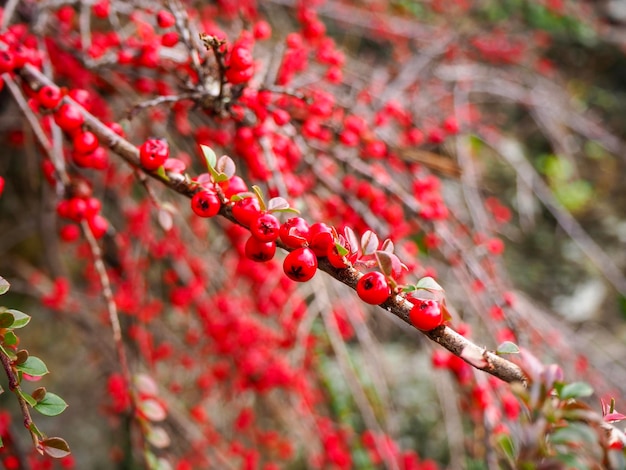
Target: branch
x=397, y=305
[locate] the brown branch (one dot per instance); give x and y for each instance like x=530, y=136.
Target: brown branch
x=397, y=305
x=14, y=386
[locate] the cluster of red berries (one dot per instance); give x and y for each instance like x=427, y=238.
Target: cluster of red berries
x=307, y=243
x=240, y=63
x=78, y=209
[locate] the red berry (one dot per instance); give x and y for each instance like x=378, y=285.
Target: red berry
x=300, y=265
x=205, y=203
x=262, y=30
x=425, y=314
x=153, y=153
x=69, y=233
x=7, y=61
x=246, y=210
x=1, y=185
x=294, y=232
x=232, y=186
x=257, y=250
x=68, y=117
x=320, y=238
x=169, y=39
x=101, y=9
x=82, y=97
x=241, y=58
x=237, y=77
x=165, y=19
x=116, y=127
x=49, y=96
x=98, y=225
x=265, y=227
x=85, y=142
x=373, y=288
x=339, y=261
x=76, y=209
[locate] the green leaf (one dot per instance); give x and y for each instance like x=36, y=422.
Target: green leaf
x=574, y=434
x=51, y=405
x=341, y=250
x=575, y=390
x=20, y=319
x=161, y=172
x=277, y=203
x=220, y=177
x=506, y=444
x=507, y=347
x=33, y=366
x=240, y=196
x=429, y=284
x=4, y=285
x=259, y=195
x=30, y=400
x=55, y=447
x=209, y=157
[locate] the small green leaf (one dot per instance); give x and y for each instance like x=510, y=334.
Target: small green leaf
x=259, y=195
x=161, y=172
x=1, y=443
x=575, y=390
x=35, y=430
x=506, y=444
x=33, y=366
x=288, y=210
x=30, y=400
x=240, y=196
x=574, y=434
x=409, y=288
x=507, y=347
x=20, y=319
x=209, y=157
x=51, y=405
x=341, y=250
x=4, y=285
x=277, y=203
x=220, y=177
x=429, y=284
x=55, y=447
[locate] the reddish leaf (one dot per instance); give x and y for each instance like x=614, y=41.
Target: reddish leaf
x=388, y=246
x=614, y=417
x=226, y=165
x=351, y=238
x=55, y=447
x=473, y=357
x=369, y=243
